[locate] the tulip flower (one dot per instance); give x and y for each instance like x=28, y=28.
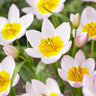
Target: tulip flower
x=7, y=67
x=37, y=7
x=75, y=19
x=15, y=27
x=89, y=85
x=37, y=88
x=88, y=23
x=51, y=43
x=81, y=39
x=11, y=51
x=73, y=70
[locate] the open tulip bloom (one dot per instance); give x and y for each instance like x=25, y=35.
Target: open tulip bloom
x=7, y=67
x=88, y=22
x=37, y=88
x=89, y=85
x=73, y=70
x=14, y=27
x=37, y=7
x=51, y=43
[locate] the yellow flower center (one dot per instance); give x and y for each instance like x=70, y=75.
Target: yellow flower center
x=10, y=30
x=76, y=74
x=49, y=4
x=51, y=46
x=51, y=94
x=90, y=28
x=4, y=80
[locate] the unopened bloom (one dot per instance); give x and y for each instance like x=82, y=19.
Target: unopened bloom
x=81, y=39
x=89, y=0
x=89, y=85
x=88, y=22
x=37, y=7
x=7, y=67
x=75, y=19
x=11, y=51
x=14, y=27
x=37, y=88
x=51, y=43
x=73, y=70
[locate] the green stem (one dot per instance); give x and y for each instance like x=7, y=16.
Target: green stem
x=18, y=43
x=54, y=21
x=74, y=47
x=26, y=56
x=92, y=48
x=22, y=58
x=55, y=67
x=85, y=51
x=72, y=91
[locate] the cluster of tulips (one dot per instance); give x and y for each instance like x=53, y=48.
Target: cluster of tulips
x=56, y=46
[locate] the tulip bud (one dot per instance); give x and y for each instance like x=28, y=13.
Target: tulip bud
x=75, y=19
x=81, y=39
x=11, y=51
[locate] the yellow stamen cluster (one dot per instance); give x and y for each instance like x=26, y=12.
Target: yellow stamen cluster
x=90, y=28
x=11, y=30
x=49, y=4
x=51, y=94
x=51, y=46
x=76, y=74
x=4, y=80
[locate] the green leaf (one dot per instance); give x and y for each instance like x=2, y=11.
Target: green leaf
x=63, y=17
x=26, y=76
x=41, y=73
x=12, y=92
x=17, y=69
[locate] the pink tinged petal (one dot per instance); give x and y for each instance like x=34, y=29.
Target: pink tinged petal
x=88, y=15
x=34, y=37
x=28, y=10
x=32, y=2
x=29, y=88
x=89, y=64
x=13, y=15
x=2, y=40
x=60, y=95
x=26, y=20
x=8, y=64
x=81, y=39
x=62, y=74
x=66, y=47
x=88, y=85
x=59, y=8
x=79, y=58
x=86, y=92
x=3, y=21
x=33, y=52
x=11, y=51
x=38, y=87
x=94, y=38
x=75, y=84
x=67, y=62
x=52, y=86
x=47, y=29
x=63, y=31
x=5, y=93
x=50, y=60
x=16, y=80
x=72, y=17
